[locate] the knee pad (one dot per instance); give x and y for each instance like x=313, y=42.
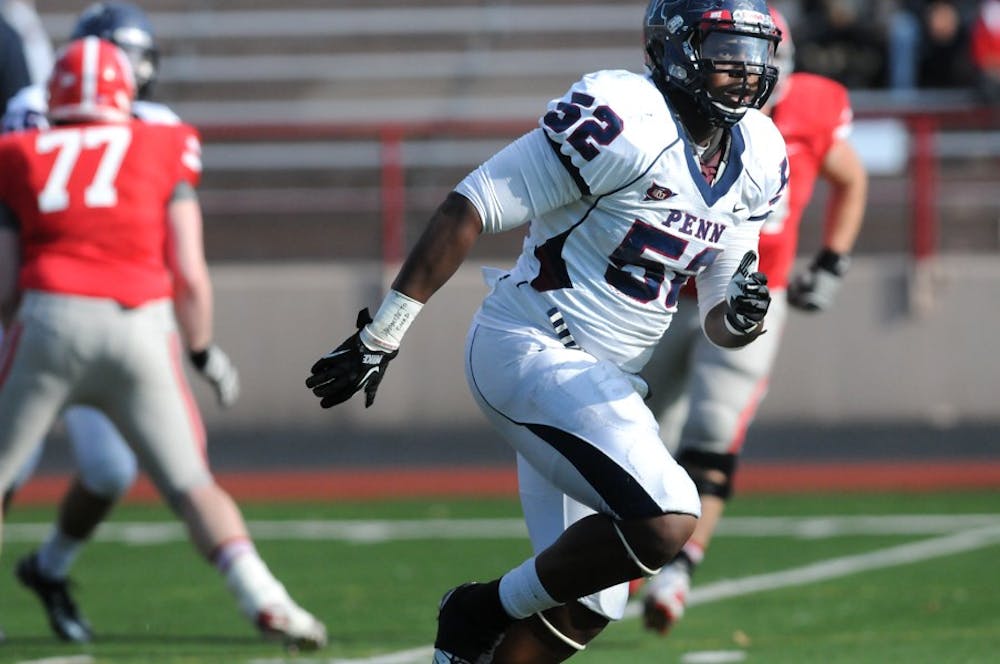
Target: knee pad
x=698, y=464
x=112, y=478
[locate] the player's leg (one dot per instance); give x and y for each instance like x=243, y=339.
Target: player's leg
x=560, y=632
x=726, y=388
x=107, y=467
x=668, y=372
x=39, y=366
x=23, y=476
x=158, y=413
x=582, y=426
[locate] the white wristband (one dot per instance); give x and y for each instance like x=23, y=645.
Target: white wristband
x=391, y=321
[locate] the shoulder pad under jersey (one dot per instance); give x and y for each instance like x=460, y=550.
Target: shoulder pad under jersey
x=609, y=127
x=26, y=110
x=154, y=112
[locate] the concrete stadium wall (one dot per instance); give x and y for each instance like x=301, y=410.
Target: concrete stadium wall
x=873, y=358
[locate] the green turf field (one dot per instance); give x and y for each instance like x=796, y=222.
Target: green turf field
x=855, y=579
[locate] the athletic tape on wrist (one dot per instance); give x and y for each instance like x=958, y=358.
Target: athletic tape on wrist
x=392, y=319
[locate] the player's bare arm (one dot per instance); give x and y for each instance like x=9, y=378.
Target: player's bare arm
x=441, y=249
x=9, y=261
x=186, y=257
x=843, y=169
x=815, y=289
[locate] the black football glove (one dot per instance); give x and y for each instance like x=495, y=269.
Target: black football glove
x=348, y=368
x=216, y=368
x=747, y=297
x=816, y=289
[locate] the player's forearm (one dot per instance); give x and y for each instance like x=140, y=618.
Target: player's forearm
x=193, y=309
x=9, y=266
x=720, y=335
x=441, y=249
x=845, y=215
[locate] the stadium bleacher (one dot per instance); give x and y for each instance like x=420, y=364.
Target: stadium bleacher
x=323, y=78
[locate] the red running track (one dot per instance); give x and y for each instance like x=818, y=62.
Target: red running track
x=372, y=484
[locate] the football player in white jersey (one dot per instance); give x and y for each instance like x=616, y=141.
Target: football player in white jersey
x=632, y=184
x=106, y=465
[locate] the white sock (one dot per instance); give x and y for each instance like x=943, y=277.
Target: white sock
x=57, y=554
x=252, y=583
x=522, y=593
x=229, y=551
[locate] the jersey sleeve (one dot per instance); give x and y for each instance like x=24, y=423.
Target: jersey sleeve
x=518, y=183
x=594, y=129
x=190, y=161
x=769, y=162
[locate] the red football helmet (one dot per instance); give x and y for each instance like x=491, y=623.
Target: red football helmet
x=91, y=81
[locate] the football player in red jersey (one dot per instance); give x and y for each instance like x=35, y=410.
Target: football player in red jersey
x=106, y=467
x=102, y=290
x=704, y=411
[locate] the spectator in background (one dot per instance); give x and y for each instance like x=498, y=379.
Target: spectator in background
x=844, y=40
x=985, y=50
x=926, y=45
x=22, y=16
x=14, y=73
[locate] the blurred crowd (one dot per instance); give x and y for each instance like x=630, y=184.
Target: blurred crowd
x=899, y=44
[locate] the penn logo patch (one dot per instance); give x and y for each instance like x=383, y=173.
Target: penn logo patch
x=658, y=193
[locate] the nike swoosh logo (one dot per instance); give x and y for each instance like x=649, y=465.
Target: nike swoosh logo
x=364, y=379
x=334, y=353
x=739, y=208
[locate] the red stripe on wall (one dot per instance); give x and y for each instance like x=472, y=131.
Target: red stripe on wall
x=360, y=484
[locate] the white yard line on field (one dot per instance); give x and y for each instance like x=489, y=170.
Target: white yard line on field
x=833, y=568
x=361, y=531
x=823, y=570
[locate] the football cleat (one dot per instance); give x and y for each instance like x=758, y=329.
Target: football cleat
x=64, y=617
x=666, y=595
x=461, y=638
x=298, y=629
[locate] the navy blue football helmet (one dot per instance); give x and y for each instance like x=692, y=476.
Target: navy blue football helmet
x=128, y=27
x=688, y=42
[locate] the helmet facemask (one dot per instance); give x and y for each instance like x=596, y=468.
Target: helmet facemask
x=736, y=72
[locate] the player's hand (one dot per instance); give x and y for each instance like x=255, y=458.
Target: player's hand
x=220, y=372
x=348, y=368
x=747, y=297
x=815, y=289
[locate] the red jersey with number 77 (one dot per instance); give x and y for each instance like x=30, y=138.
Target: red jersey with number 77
x=91, y=201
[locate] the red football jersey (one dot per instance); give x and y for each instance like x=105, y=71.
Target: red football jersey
x=812, y=115
x=91, y=202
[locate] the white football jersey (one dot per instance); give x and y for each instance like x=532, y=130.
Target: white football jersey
x=603, y=270
x=27, y=109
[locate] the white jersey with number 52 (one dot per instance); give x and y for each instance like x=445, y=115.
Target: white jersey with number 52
x=628, y=218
